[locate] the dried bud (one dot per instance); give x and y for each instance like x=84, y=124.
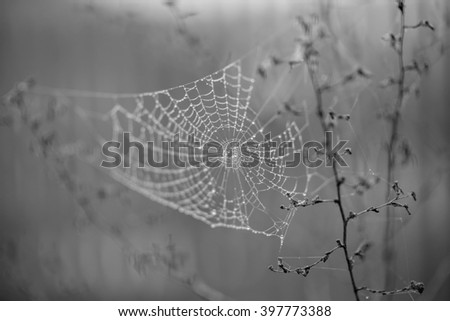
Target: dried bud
x=427, y=24
x=401, y=6
x=360, y=71
x=362, y=249
x=419, y=287
x=304, y=272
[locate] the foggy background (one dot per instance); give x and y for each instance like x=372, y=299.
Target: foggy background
x=49, y=250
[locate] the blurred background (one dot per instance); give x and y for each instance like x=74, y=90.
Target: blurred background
x=84, y=237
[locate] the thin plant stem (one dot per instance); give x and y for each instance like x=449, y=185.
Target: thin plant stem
x=388, y=250
x=338, y=180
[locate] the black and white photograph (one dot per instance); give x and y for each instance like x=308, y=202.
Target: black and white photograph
x=225, y=150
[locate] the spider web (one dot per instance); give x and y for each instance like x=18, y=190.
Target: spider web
x=216, y=108
x=242, y=102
